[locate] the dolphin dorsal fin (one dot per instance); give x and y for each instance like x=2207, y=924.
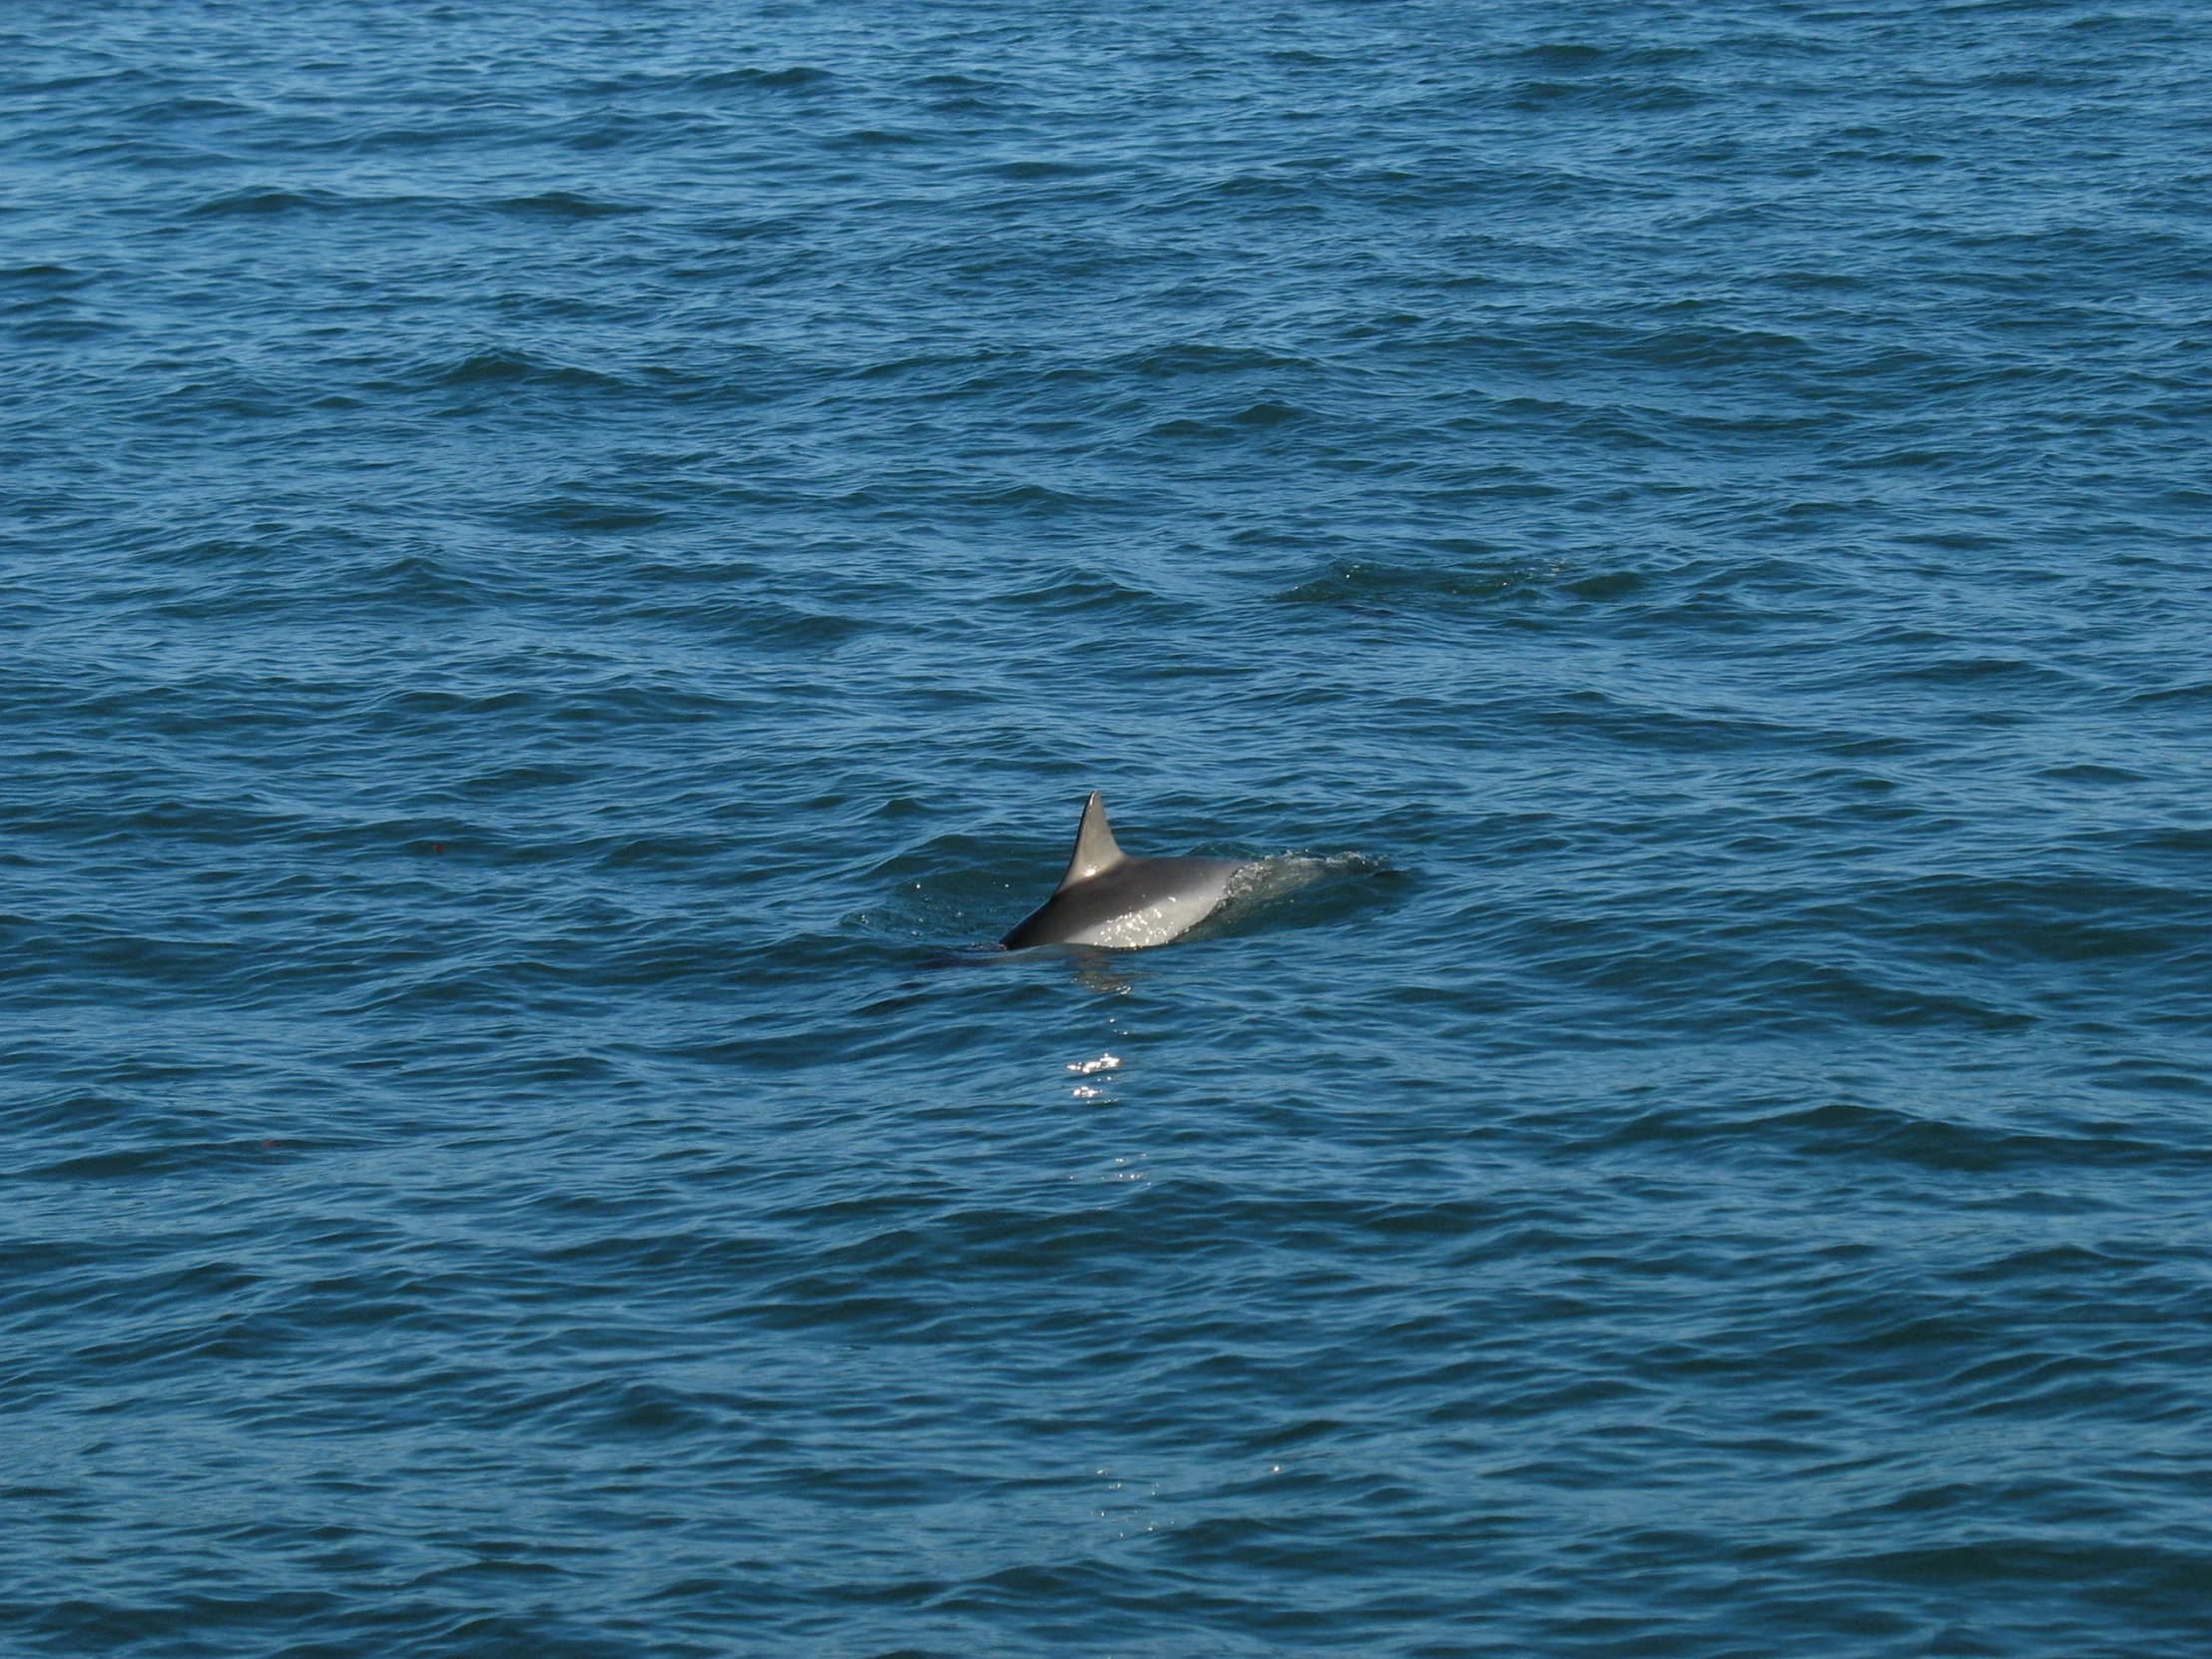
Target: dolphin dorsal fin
x=1095, y=851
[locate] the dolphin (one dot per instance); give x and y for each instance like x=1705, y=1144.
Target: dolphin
x=1109, y=898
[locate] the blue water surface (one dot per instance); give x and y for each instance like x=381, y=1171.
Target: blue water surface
x=568, y=568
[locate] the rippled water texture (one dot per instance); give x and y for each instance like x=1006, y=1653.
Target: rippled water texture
x=568, y=567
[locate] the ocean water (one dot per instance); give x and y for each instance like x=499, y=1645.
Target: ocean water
x=567, y=569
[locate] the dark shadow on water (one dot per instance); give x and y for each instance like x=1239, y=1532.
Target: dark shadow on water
x=965, y=957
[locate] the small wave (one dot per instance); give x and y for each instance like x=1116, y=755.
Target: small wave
x=256, y=202
x=1268, y=414
x=1714, y=347
x=1562, y=55
x=1374, y=581
x=42, y=273
x=874, y=137
x=1035, y=498
x=763, y=623
x=1023, y=172
x=1611, y=92
x=562, y=204
x=1848, y=1133
x=765, y=80
x=596, y=517
x=417, y=578
x=1075, y=592
x=1167, y=362
x=501, y=367
x=2195, y=691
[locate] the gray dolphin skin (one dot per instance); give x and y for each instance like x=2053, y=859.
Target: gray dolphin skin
x=1122, y=903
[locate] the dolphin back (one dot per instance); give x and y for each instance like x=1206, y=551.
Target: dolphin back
x=1136, y=903
x=1110, y=900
